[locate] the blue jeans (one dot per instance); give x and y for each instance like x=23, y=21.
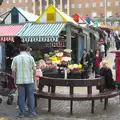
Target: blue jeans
x=28, y=91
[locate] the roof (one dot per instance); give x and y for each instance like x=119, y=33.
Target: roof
x=64, y=16
x=29, y=16
x=25, y=15
x=78, y=18
x=7, y=32
x=33, y=32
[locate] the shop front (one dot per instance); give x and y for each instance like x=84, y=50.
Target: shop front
x=7, y=45
x=46, y=37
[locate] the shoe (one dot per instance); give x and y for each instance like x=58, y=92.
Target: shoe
x=17, y=107
x=32, y=115
x=20, y=115
x=27, y=114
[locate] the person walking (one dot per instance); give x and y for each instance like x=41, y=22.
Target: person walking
x=23, y=70
x=102, y=50
x=96, y=62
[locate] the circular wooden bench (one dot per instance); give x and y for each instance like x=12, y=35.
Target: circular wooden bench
x=53, y=82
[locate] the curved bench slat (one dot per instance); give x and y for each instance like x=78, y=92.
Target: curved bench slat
x=76, y=97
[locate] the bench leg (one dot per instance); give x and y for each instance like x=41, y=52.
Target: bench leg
x=101, y=100
x=35, y=101
x=48, y=88
x=71, y=107
x=92, y=106
x=49, y=105
x=105, y=103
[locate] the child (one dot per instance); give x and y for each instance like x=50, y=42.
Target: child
x=38, y=74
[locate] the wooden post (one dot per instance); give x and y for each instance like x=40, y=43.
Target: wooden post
x=80, y=47
x=92, y=106
x=88, y=42
x=68, y=39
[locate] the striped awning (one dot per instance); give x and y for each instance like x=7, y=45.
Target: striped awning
x=32, y=32
x=7, y=32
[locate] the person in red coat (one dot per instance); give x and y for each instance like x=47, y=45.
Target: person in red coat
x=96, y=62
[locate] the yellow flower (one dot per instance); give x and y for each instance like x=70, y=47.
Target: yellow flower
x=60, y=54
x=2, y=118
x=56, y=62
x=79, y=66
x=75, y=66
x=70, y=66
x=68, y=50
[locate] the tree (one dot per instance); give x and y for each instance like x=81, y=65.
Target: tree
x=1, y=1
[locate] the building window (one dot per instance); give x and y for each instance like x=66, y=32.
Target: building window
x=20, y=1
x=72, y=6
x=13, y=1
x=101, y=4
x=109, y=14
x=94, y=14
x=116, y=3
x=1, y=9
x=109, y=4
x=38, y=7
x=26, y=0
x=26, y=8
x=79, y=5
x=50, y=17
x=7, y=1
x=58, y=6
x=86, y=5
x=65, y=6
x=94, y=4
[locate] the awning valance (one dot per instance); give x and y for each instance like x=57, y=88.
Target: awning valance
x=7, y=32
x=32, y=32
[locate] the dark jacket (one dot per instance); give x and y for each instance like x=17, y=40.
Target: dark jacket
x=108, y=76
x=86, y=59
x=117, y=41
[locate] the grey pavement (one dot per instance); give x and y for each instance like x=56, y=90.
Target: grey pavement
x=60, y=109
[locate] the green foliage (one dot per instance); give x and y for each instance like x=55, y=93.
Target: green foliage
x=38, y=55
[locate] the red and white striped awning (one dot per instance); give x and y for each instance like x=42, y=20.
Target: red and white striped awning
x=7, y=32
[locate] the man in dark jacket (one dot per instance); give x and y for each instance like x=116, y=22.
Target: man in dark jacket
x=85, y=61
x=117, y=41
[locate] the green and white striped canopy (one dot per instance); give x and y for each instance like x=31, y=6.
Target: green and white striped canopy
x=33, y=32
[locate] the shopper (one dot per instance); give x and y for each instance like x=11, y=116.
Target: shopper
x=23, y=69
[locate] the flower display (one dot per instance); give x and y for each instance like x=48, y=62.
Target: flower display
x=56, y=62
x=75, y=67
x=53, y=58
x=59, y=54
x=68, y=50
x=66, y=59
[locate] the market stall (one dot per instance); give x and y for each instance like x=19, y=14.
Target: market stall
x=53, y=29
x=7, y=33
x=17, y=15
